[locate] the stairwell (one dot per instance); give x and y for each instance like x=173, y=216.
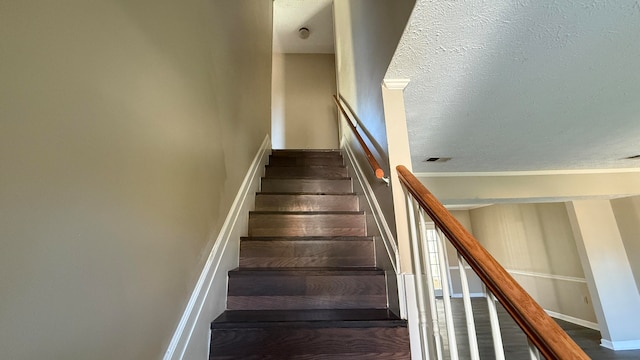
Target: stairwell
x=307, y=286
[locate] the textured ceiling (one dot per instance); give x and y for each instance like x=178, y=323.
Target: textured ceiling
x=291, y=15
x=508, y=85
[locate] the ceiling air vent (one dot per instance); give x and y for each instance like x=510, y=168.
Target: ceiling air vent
x=437, y=159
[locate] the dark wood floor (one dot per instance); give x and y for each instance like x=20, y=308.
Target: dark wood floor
x=515, y=342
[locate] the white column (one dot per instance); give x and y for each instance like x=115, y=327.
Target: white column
x=614, y=293
x=399, y=154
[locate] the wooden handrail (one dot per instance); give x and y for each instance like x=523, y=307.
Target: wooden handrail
x=540, y=328
x=372, y=160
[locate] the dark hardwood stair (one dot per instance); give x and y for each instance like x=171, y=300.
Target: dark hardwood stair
x=306, y=202
x=298, y=185
x=326, y=334
x=307, y=223
x=295, y=251
x=328, y=318
x=330, y=160
x=310, y=343
x=324, y=171
x=307, y=286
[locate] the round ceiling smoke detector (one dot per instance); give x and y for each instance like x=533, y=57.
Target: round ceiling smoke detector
x=304, y=33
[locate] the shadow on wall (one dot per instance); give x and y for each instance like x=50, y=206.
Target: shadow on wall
x=368, y=32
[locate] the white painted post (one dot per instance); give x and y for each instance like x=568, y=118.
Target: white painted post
x=468, y=311
x=417, y=269
x=495, y=326
x=435, y=326
x=446, y=298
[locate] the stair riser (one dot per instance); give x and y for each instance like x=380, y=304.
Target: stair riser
x=260, y=292
x=300, y=285
x=328, y=186
x=341, y=356
x=268, y=202
x=325, y=343
x=306, y=224
x=306, y=154
x=305, y=161
x=306, y=253
x=307, y=172
x=315, y=261
x=306, y=302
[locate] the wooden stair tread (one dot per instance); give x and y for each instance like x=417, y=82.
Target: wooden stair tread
x=310, y=213
x=308, y=166
x=338, y=318
x=296, y=152
x=328, y=160
x=389, y=343
x=307, y=238
x=307, y=171
x=306, y=193
x=305, y=177
x=307, y=223
x=292, y=177
x=295, y=252
x=306, y=185
x=307, y=271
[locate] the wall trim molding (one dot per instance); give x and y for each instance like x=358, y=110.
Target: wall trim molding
x=574, y=320
x=378, y=215
x=620, y=345
x=181, y=340
x=547, y=276
x=527, y=172
x=395, y=84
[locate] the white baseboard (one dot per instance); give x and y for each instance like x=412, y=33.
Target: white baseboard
x=573, y=320
x=411, y=306
x=620, y=345
x=208, y=299
x=402, y=296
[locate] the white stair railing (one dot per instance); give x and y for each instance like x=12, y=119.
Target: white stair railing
x=545, y=337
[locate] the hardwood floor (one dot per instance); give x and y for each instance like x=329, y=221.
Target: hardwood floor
x=589, y=341
x=515, y=342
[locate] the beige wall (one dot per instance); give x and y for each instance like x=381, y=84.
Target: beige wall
x=535, y=242
x=367, y=34
x=126, y=128
x=303, y=112
x=627, y=212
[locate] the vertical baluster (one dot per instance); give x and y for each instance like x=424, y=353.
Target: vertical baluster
x=533, y=351
x=419, y=280
x=495, y=327
x=446, y=298
x=468, y=310
x=430, y=287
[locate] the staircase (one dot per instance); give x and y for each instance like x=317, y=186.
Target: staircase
x=307, y=286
